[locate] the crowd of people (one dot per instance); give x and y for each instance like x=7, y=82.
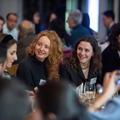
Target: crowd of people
x=45, y=81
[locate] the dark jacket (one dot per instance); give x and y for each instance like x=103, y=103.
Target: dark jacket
x=31, y=72
x=78, y=32
x=110, y=60
x=23, y=43
x=76, y=76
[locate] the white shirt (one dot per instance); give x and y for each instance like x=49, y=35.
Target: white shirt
x=13, y=32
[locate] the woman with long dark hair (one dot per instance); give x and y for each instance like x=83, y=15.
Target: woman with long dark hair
x=85, y=63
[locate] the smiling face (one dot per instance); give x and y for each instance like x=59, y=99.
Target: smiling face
x=84, y=52
x=11, y=55
x=42, y=48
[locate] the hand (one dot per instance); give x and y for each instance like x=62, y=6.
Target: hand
x=109, y=85
x=36, y=89
x=109, y=89
x=30, y=93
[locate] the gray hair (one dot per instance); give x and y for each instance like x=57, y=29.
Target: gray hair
x=76, y=15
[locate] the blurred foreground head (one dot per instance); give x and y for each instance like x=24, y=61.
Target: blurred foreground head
x=14, y=103
x=58, y=101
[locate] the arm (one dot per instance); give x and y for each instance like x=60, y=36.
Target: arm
x=109, y=90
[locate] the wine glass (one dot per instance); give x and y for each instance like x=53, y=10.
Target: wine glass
x=90, y=92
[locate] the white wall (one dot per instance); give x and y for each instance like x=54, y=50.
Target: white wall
x=11, y=6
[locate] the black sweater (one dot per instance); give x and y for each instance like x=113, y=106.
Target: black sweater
x=75, y=75
x=31, y=72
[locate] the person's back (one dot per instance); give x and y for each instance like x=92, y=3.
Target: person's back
x=78, y=31
x=10, y=25
x=111, y=55
x=26, y=35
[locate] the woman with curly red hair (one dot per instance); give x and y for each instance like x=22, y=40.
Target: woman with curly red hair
x=44, y=57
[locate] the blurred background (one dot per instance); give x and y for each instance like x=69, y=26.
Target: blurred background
x=95, y=8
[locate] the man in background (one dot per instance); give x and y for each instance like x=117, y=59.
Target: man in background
x=108, y=22
x=78, y=30
x=10, y=25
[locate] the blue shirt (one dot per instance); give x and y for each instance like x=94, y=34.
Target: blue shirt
x=110, y=112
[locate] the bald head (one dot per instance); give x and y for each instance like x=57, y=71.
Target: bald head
x=27, y=26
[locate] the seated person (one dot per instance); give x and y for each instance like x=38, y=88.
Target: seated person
x=85, y=63
x=44, y=57
x=111, y=55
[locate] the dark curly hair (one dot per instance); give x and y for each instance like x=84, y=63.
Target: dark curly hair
x=95, y=62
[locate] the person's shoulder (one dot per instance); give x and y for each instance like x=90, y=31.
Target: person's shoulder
x=26, y=61
x=15, y=30
x=107, y=51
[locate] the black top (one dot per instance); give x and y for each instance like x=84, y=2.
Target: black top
x=76, y=76
x=110, y=60
x=31, y=72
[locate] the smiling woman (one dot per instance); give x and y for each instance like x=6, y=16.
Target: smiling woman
x=85, y=63
x=44, y=57
x=11, y=48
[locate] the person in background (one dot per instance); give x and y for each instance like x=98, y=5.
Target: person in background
x=1, y=24
x=51, y=17
x=10, y=25
x=108, y=21
x=57, y=100
x=37, y=21
x=111, y=55
x=10, y=44
x=26, y=35
x=77, y=29
x=44, y=57
x=85, y=63
x=86, y=23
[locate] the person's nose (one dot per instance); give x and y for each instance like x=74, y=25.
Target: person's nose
x=42, y=48
x=15, y=57
x=82, y=52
